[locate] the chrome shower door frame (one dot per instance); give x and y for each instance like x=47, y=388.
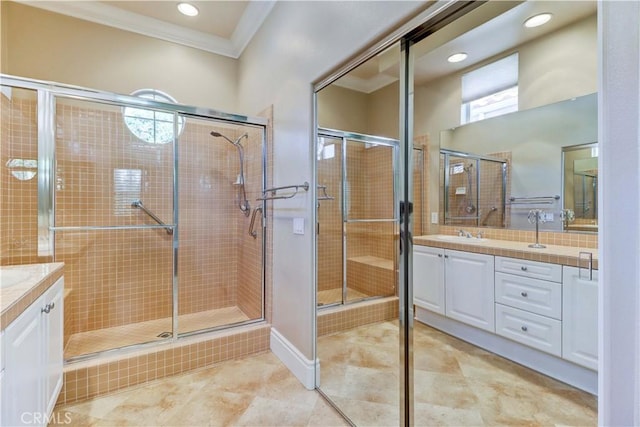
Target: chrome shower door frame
x=47, y=93
x=363, y=139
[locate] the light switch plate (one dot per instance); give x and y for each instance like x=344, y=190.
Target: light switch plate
x=298, y=225
x=434, y=217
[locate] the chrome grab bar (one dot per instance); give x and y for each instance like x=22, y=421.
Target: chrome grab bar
x=324, y=195
x=252, y=232
x=540, y=200
x=274, y=191
x=138, y=204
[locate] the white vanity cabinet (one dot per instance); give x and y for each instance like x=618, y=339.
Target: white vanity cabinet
x=33, y=351
x=428, y=278
x=580, y=317
x=469, y=288
x=529, y=303
x=457, y=284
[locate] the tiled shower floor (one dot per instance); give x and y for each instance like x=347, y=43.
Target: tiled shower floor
x=331, y=296
x=142, y=332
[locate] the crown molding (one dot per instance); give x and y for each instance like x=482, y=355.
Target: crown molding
x=111, y=16
x=365, y=85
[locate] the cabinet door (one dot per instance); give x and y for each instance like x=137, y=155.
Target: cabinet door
x=53, y=325
x=22, y=382
x=428, y=278
x=580, y=318
x=469, y=288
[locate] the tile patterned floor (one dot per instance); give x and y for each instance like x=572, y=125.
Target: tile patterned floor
x=255, y=391
x=456, y=384
x=142, y=332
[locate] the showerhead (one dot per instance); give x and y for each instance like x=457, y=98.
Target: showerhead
x=219, y=135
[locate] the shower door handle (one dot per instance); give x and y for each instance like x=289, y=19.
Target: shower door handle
x=252, y=232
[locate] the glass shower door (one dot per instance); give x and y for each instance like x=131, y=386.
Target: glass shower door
x=370, y=227
x=220, y=266
x=113, y=223
x=329, y=228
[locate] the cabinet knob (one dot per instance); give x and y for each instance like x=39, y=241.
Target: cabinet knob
x=439, y=255
x=446, y=256
x=52, y=305
x=524, y=328
x=524, y=294
x=47, y=308
x=523, y=268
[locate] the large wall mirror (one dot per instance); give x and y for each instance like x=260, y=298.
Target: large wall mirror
x=495, y=134
x=508, y=128
x=357, y=155
x=518, y=98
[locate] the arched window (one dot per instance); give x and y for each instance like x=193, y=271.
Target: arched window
x=154, y=127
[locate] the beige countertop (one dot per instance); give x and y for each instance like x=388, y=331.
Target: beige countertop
x=565, y=255
x=21, y=285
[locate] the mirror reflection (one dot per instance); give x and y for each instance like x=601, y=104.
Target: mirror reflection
x=580, y=165
x=530, y=144
x=357, y=241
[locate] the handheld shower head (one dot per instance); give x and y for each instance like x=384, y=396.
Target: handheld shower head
x=236, y=142
x=244, y=204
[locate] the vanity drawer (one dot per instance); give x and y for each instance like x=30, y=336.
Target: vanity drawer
x=540, y=332
x=537, y=296
x=533, y=269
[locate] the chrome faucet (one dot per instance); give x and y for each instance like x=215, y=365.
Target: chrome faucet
x=463, y=233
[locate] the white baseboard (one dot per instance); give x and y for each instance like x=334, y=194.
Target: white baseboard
x=555, y=367
x=303, y=368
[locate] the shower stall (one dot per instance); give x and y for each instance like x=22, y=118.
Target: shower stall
x=147, y=203
x=473, y=189
x=357, y=227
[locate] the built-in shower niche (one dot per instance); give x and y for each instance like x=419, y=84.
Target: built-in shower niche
x=474, y=189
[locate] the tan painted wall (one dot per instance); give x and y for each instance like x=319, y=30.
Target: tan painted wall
x=48, y=46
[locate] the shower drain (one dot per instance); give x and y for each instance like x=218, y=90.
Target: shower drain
x=164, y=335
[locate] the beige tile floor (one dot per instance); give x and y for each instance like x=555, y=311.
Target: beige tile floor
x=331, y=296
x=455, y=383
x=255, y=391
x=142, y=332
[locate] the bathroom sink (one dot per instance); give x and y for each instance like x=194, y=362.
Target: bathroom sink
x=459, y=239
x=10, y=278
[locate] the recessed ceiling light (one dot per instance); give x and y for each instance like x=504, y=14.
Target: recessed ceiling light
x=188, y=9
x=457, y=57
x=537, y=20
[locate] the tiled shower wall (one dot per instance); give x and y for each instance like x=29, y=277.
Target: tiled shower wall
x=489, y=197
x=120, y=276
x=18, y=198
x=330, y=220
x=370, y=196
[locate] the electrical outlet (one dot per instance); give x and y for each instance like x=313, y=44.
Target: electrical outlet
x=298, y=225
x=548, y=216
x=434, y=217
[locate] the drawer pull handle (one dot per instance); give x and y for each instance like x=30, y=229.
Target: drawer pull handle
x=523, y=268
x=524, y=328
x=524, y=294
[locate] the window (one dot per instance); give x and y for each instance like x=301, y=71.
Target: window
x=490, y=91
x=154, y=127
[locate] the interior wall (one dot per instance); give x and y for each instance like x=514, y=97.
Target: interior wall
x=343, y=109
x=49, y=46
x=296, y=34
x=619, y=214
x=552, y=68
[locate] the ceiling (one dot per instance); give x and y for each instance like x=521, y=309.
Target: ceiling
x=221, y=27
x=487, y=31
